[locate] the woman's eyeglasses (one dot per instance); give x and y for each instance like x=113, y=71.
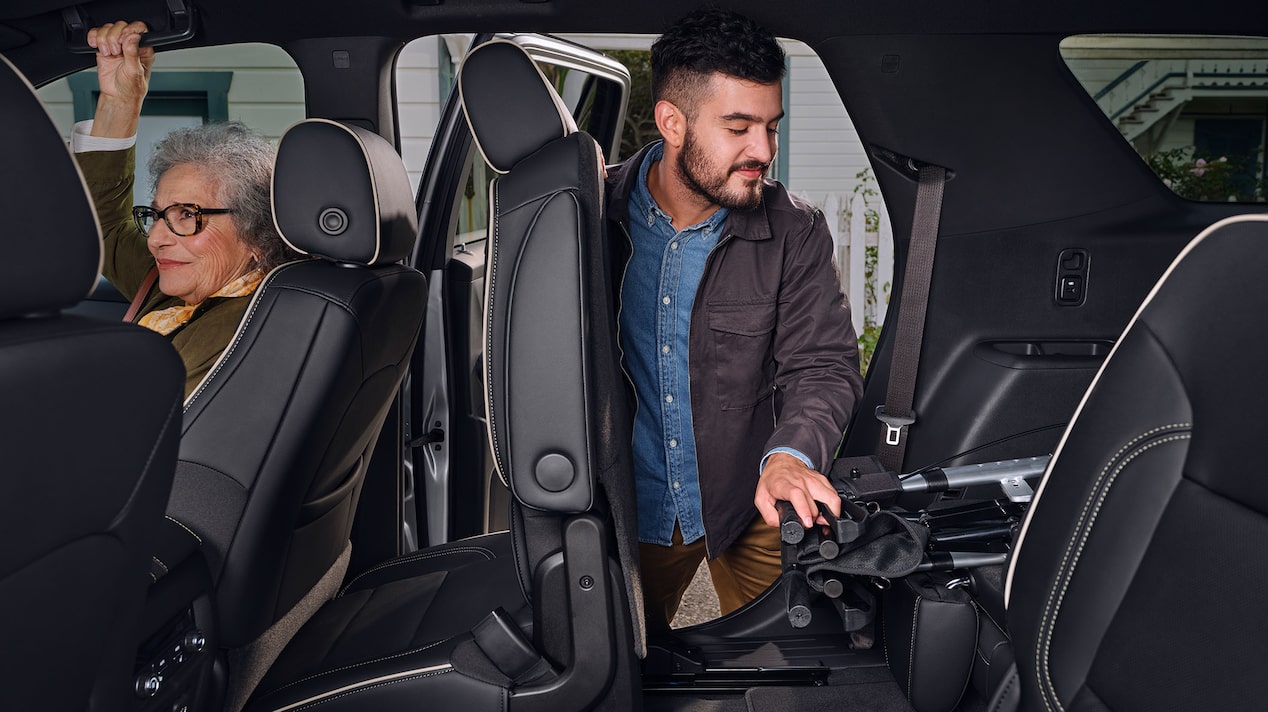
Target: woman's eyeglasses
x=183, y=219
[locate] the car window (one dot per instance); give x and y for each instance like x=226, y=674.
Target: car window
x=821, y=157
x=255, y=84
x=425, y=77
x=1193, y=107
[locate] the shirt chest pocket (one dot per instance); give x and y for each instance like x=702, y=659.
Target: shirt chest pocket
x=743, y=339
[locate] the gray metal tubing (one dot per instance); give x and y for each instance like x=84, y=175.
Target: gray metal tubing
x=947, y=560
x=986, y=473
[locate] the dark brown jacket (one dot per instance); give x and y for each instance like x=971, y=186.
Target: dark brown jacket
x=772, y=351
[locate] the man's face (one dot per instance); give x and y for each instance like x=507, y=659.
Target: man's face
x=731, y=141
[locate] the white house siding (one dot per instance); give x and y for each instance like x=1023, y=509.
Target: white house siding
x=267, y=91
x=823, y=149
x=418, y=102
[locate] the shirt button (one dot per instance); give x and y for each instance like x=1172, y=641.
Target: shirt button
x=669, y=399
x=676, y=485
x=664, y=349
x=664, y=300
x=673, y=245
x=673, y=443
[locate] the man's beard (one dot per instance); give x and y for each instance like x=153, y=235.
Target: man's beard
x=698, y=174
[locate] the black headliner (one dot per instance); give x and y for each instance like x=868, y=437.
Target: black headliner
x=982, y=90
x=27, y=22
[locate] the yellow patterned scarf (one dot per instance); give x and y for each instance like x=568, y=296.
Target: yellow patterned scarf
x=165, y=321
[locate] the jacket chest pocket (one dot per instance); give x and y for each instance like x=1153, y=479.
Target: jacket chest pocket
x=742, y=340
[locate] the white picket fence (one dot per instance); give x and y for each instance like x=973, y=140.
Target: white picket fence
x=850, y=237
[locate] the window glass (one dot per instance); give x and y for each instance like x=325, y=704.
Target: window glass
x=820, y=159
x=255, y=84
x=425, y=77
x=1193, y=107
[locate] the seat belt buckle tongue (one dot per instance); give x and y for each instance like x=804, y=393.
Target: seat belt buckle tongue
x=893, y=424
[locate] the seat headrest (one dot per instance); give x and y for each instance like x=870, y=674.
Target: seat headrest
x=511, y=107
x=51, y=237
x=342, y=193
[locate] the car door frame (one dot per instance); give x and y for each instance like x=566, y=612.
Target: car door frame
x=444, y=429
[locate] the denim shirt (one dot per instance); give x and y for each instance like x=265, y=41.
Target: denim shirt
x=657, y=294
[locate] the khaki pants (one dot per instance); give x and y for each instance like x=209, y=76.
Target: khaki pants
x=742, y=572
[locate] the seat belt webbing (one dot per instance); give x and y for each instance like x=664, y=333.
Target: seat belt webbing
x=141, y=293
x=896, y=413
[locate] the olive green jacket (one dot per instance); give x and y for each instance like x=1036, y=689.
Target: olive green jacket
x=110, y=175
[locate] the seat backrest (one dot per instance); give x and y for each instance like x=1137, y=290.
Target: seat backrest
x=558, y=421
x=91, y=426
x=1136, y=580
x=277, y=437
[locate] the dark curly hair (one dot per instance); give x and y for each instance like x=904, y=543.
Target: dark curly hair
x=707, y=41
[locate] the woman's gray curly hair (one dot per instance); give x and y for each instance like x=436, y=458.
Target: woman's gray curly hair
x=240, y=164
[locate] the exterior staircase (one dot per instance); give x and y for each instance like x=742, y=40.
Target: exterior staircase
x=1154, y=90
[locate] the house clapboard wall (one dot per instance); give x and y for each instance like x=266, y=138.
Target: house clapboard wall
x=266, y=93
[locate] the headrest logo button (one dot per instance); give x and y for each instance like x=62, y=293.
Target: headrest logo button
x=333, y=221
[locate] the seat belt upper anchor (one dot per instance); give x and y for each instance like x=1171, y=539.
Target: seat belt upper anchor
x=893, y=424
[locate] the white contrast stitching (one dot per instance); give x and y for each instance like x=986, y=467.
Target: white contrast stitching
x=324, y=700
x=242, y=330
x=180, y=524
x=1074, y=550
x=489, y=353
x=357, y=665
x=1003, y=693
x=911, y=658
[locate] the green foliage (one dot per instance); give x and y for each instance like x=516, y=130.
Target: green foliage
x=640, y=121
x=872, y=292
x=1208, y=178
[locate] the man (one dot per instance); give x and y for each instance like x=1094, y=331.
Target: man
x=735, y=333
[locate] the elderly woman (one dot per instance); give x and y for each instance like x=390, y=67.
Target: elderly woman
x=209, y=231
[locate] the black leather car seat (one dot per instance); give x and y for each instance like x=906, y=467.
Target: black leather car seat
x=418, y=631
x=91, y=427
x=277, y=437
x=1136, y=581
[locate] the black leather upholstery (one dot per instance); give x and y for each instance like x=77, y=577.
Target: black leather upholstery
x=929, y=634
x=557, y=379
x=343, y=195
x=276, y=438
x=496, y=78
x=400, y=632
x=50, y=261
x=83, y=495
x=1135, y=584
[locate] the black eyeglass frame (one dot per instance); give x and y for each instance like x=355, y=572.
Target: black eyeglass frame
x=140, y=212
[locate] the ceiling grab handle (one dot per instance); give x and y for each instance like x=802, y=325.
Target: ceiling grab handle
x=180, y=27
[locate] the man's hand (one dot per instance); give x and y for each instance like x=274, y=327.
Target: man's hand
x=123, y=72
x=786, y=477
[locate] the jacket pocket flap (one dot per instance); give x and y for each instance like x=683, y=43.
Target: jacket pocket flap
x=743, y=319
